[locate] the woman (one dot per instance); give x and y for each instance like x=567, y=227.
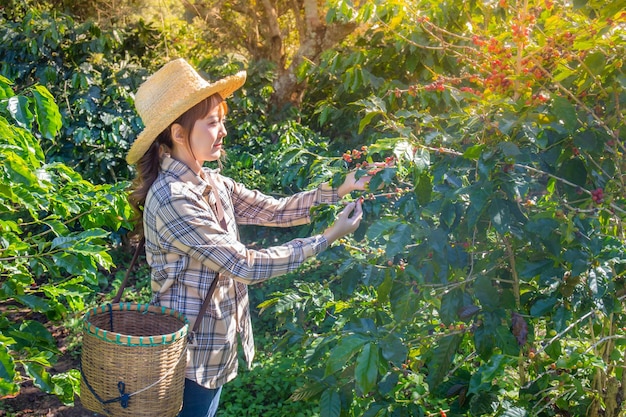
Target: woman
x=190, y=216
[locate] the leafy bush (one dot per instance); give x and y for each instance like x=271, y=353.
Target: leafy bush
x=92, y=73
x=487, y=277
x=53, y=241
x=265, y=389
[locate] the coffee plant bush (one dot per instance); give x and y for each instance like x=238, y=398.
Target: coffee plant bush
x=54, y=241
x=92, y=73
x=488, y=275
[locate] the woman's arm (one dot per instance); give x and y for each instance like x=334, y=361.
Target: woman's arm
x=187, y=229
x=254, y=207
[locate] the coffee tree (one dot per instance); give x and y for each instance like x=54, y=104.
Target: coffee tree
x=487, y=277
x=54, y=241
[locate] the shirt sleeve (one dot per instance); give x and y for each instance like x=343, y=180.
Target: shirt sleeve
x=255, y=208
x=188, y=228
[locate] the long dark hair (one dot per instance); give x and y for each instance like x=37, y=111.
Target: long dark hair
x=149, y=164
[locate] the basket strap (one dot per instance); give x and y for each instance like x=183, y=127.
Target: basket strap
x=121, y=387
x=140, y=246
x=205, y=304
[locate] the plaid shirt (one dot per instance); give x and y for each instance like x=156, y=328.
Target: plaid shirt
x=186, y=247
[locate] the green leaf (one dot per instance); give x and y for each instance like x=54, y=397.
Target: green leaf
x=380, y=228
x=30, y=148
x=500, y=215
x=33, y=333
x=534, y=269
x=385, y=288
x=7, y=372
x=366, y=370
x=474, y=152
x=74, y=264
x=482, y=379
x=402, y=301
x=565, y=113
x=561, y=318
x=589, y=141
x=509, y=149
x=480, y=195
x=448, y=214
x=5, y=88
x=67, y=386
x=382, y=177
x=330, y=403
x=554, y=350
x=366, y=120
x=402, y=237
x=48, y=116
x=543, y=306
x=450, y=304
x=393, y=349
x=514, y=412
x=21, y=172
x=542, y=227
x=374, y=410
x=486, y=293
x=18, y=107
x=505, y=340
x=35, y=303
x=424, y=188
x=343, y=352
x=421, y=159
x=307, y=391
x=41, y=377
x=485, y=403
x=575, y=171
x=596, y=63
x=442, y=359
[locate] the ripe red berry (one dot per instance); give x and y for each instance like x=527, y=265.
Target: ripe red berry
x=597, y=195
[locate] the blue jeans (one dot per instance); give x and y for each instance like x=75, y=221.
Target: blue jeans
x=199, y=401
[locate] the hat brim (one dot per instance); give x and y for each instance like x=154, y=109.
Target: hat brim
x=224, y=87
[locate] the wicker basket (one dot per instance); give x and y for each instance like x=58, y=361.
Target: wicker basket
x=133, y=360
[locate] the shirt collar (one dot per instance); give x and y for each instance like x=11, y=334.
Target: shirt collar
x=182, y=172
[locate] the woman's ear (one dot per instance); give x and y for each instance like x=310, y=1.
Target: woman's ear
x=178, y=134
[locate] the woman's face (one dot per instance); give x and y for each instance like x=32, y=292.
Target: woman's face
x=206, y=135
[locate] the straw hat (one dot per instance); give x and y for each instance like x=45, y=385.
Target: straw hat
x=170, y=92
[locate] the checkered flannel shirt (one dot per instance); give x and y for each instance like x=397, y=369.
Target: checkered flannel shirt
x=186, y=248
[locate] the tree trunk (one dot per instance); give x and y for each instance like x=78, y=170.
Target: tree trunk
x=284, y=32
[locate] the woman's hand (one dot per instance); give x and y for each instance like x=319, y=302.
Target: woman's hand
x=352, y=184
x=347, y=222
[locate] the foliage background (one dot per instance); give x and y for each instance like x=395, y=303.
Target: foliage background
x=487, y=277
